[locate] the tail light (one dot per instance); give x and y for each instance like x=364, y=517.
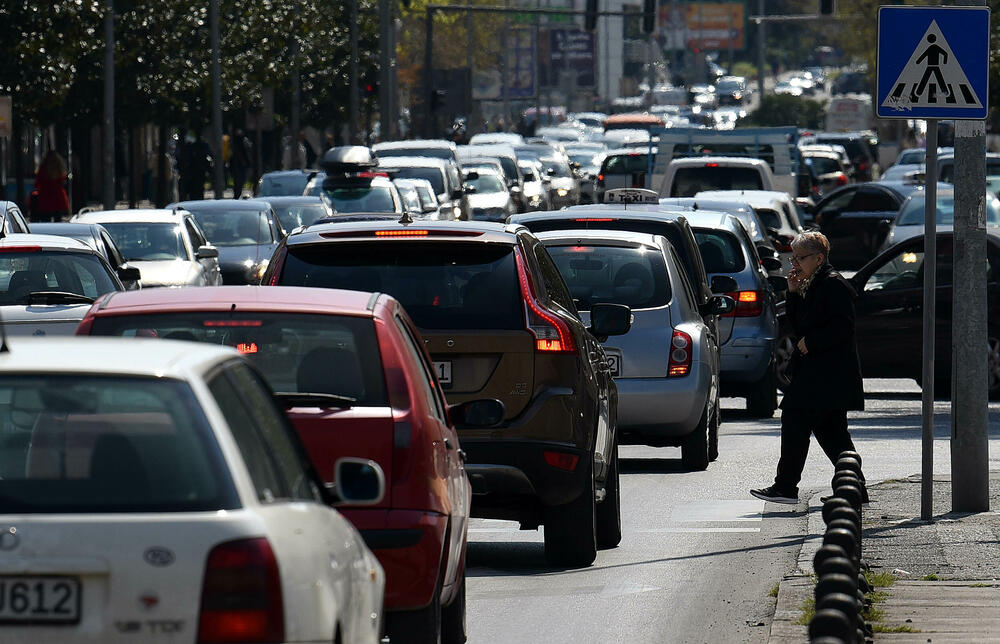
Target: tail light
x=842, y=179
x=680, y=355
x=85, y=326
x=275, y=269
x=552, y=335
x=241, y=594
x=748, y=304
x=783, y=243
x=600, y=180
x=561, y=460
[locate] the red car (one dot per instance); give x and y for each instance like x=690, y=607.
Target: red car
x=352, y=371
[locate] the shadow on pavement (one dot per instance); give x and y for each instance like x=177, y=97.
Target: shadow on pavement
x=505, y=558
x=650, y=465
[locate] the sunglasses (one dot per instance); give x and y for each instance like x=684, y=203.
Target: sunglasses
x=798, y=258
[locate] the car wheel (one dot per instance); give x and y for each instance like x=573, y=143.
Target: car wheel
x=694, y=450
x=422, y=626
x=783, y=354
x=713, y=433
x=993, y=365
x=763, y=398
x=571, y=529
x=453, y=623
x=609, y=511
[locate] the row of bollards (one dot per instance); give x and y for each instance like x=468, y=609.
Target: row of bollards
x=841, y=585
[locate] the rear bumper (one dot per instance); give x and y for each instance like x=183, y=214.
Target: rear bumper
x=662, y=407
x=409, y=545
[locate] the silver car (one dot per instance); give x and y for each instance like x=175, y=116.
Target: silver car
x=667, y=366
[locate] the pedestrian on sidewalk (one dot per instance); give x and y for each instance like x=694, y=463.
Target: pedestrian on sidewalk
x=49, y=201
x=825, y=368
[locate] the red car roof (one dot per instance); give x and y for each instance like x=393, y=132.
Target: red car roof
x=254, y=298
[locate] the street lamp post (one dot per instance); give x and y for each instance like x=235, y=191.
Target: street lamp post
x=108, y=154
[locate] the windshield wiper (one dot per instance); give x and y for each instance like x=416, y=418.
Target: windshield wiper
x=295, y=399
x=58, y=297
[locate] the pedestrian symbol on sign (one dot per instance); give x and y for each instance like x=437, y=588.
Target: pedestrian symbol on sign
x=932, y=77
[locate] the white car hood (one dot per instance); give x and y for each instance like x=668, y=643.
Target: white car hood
x=176, y=272
x=42, y=319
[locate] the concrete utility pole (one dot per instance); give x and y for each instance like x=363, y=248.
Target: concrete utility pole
x=108, y=153
x=355, y=97
x=218, y=179
x=505, y=59
x=970, y=459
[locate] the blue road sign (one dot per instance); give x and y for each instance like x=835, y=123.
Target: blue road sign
x=933, y=62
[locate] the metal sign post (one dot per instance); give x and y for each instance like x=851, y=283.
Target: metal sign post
x=933, y=63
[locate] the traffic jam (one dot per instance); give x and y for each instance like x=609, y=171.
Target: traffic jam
x=413, y=336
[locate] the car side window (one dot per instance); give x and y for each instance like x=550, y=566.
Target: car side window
x=555, y=286
x=839, y=202
x=688, y=300
x=434, y=403
x=868, y=200
x=901, y=271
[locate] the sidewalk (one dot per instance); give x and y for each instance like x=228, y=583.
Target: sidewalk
x=947, y=572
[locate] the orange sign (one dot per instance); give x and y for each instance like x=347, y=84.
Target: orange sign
x=703, y=25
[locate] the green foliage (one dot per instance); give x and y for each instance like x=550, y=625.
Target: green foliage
x=745, y=69
x=783, y=109
x=901, y=628
x=930, y=577
x=808, y=609
x=880, y=579
x=774, y=590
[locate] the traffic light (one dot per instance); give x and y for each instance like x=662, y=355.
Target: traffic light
x=590, y=17
x=370, y=89
x=649, y=16
x=827, y=7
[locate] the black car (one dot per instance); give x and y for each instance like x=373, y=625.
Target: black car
x=498, y=322
x=856, y=219
x=246, y=232
x=890, y=312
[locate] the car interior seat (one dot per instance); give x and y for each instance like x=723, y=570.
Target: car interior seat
x=633, y=284
x=330, y=370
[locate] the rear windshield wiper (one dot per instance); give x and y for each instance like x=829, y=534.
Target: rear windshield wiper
x=58, y=297
x=295, y=399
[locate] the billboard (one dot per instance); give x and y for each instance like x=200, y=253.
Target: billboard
x=487, y=84
x=572, y=49
x=703, y=25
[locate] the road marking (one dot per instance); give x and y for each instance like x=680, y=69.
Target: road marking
x=705, y=530
x=719, y=511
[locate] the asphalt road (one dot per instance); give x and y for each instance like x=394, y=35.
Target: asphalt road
x=699, y=554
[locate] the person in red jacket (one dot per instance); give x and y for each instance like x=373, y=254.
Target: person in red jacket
x=51, y=202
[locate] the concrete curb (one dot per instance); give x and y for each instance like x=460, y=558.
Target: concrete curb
x=796, y=588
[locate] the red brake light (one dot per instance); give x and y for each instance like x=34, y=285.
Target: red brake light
x=552, y=335
x=580, y=249
x=711, y=165
x=232, y=323
x=595, y=219
x=371, y=175
x=680, y=355
x=20, y=249
x=247, y=347
x=748, y=304
x=842, y=179
x=241, y=594
x=600, y=177
x=401, y=233
x=561, y=460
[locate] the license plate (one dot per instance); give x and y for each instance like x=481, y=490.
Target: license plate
x=615, y=364
x=39, y=600
x=443, y=370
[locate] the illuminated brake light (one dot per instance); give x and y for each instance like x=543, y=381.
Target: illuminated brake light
x=247, y=347
x=680, y=355
x=20, y=249
x=595, y=219
x=552, y=335
x=580, y=249
x=371, y=175
x=561, y=460
x=401, y=233
x=232, y=323
x=842, y=179
x=711, y=165
x=748, y=304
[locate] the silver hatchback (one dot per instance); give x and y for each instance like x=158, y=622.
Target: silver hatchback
x=667, y=366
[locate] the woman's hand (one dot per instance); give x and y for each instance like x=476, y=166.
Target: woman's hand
x=802, y=346
x=795, y=279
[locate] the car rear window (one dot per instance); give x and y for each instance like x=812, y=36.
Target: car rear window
x=452, y=285
x=295, y=352
x=823, y=165
x=625, y=164
x=372, y=199
x=635, y=277
x=35, y=272
x=912, y=213
x=689, y=181
x=720, y=251
x=86, y=444
x=285, y=185
x=234, y=227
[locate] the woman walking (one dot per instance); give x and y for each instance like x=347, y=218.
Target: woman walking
x=826, y=372
x=50, y=202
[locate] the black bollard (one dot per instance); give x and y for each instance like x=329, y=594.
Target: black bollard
x=836, y=583
x=832, y=504
x=851, y=493
x=832, y=623
x=845, y=476
x=846, y=604
x=847, y=463
x=846, y=539
x=838, y=565
x=850, y=454
x=842, y=510
x=828, y=639
x=828, y=551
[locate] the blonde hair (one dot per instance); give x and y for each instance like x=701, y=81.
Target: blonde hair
x=814, y=242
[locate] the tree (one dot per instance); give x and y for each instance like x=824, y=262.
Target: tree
x=784, y=109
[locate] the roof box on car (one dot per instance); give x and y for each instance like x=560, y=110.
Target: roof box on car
x=347, y=158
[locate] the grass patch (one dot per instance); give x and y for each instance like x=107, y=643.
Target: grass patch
x=873, y=614
x=930, y=577
x=880, y=579
x=981, y=586
x=902, y=628
x=878, y=596
x=774, y=590
x=808, y=608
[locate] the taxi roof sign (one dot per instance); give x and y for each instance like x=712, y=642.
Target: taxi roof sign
x=631, y=195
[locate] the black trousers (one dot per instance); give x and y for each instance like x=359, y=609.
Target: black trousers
x=830, y=429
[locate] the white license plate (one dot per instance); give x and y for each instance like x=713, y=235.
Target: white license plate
x=443, y=370
x=39, y=600
x=615, y=364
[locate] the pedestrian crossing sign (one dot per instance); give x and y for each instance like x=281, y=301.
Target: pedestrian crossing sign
x=933, y=62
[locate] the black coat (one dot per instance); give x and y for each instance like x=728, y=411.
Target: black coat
x=829, y=375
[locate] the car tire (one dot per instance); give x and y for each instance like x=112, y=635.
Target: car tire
x=763, y=396
x=713, y=433
x=609, y=511
x=694, y=449
x=453, y=622
x=783, y=353
x=421, y=626
x=571, y=529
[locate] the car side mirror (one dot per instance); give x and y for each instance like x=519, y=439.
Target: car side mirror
x=721, y=305
x=770, y=263
x=358, y=481
x=779, y=283
x=470, y=189
x=207, y=252
x=485, y=413
x=128, y=273
x=724, y=284
x=609, y=319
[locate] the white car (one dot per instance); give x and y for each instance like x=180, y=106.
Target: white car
x=154, y=492
x=47, y=284
x=167, y=246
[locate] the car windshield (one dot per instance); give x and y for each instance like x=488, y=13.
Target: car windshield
x=912, y=213
x=435, y=153
x=434, y=175
x=625, y=163
x=282, y=185
x=86, y=443
x=371, y=199
x=823, y=165
x=689, y=181
x=557, y=168
x=916, y=155
x=442, y=285
x=487, y=184
x=234, y=227
x=635, y=277
x=585, y=159
x=295, y=352
x=291, y=217
x=140, y=241
x=720, y=251
x=23, y=273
